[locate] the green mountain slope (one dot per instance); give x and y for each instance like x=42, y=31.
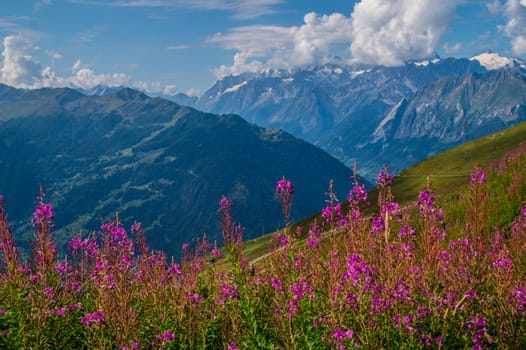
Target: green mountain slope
x=151, y=160
x=446, y=173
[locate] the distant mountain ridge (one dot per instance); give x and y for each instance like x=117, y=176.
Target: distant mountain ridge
x=151, y=160
x=341, y=107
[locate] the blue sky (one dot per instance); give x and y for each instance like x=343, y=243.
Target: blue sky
x=185, y=45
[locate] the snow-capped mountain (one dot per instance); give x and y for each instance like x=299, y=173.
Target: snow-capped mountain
x=445, y=114
x=351, y=110
x=492, y=60
x=313, y=101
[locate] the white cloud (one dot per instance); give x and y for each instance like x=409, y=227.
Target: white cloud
x=55, y=55
x=283, y=47
x=386, y=32
x=389, y=32
x=494, y=8
x=177, y=47
x=515, y=27
x=21, y=70
x=193, y=92
x=241, y=9
x=39, y=4
x=452, y=50
x=89, y=34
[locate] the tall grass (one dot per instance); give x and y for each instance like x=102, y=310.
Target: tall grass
x=434, y=275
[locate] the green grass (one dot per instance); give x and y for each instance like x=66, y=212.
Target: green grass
x=446, y=172
x=449, y=170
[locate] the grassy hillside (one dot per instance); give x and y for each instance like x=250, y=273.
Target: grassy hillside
x=449, y=170
x=443, y=270
x=444, y=173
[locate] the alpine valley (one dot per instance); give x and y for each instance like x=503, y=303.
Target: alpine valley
x=376, y=114
x=109, y=149
x=152, y=160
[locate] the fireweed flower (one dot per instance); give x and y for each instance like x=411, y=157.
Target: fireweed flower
x=358, y=193
x=478, y=177
x=232, y=231
x=76, y=244
x=313, y=237
x=517, y=299
x=229, y=291
x=165, y=337
x=231, y=346
x=384, y=179
x=44, y=249
x=377, y=225
x=284, y=193
x=407, y=231
x=43, y=215
x=63, y=268
x=7, y=245
x=92, y=319
x=340, y=335
x=216, y=253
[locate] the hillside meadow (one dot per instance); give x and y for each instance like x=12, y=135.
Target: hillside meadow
x=442, y=272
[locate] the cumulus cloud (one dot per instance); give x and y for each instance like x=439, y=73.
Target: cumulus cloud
x=21, y=70
x=389, y=32
x=386, y=32
x=515, y=27
x=283, y=47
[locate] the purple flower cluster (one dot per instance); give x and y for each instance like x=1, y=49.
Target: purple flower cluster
x=478, y=177
x=333, y=214
x=356, y=267
x=90, y=247
x=384, y=179
x=231, y=346
x=166, y=337
x=476, y=327
x=518, y=300
x=358, y=194
x=95, y=318
x=229, y=291
x=43, y=215
x=339, y=335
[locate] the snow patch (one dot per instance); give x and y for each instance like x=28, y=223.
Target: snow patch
x=235, y=87
x=380, y=132
x=359, y=72
x=492, y=61
x=426, y=62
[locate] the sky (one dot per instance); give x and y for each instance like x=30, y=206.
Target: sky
x=170, y=46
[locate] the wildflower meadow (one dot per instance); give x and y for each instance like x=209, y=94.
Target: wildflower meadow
x=444, y=272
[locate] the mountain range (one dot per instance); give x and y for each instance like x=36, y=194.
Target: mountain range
x=151, y=160
x=378, y=115
x=111, y=149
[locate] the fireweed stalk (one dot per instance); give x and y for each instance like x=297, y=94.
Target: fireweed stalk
x=232, y=231
x=7, y=246
x=284, y=193
x=417, y=277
